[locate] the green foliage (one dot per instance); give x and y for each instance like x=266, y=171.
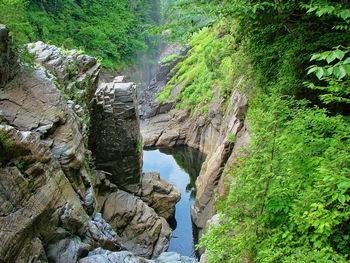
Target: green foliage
x=90, y=167
x=12, y=14
x=336, y=76
x=169, y=58
x=290, y=199
x=113, y=30
x=139, y=146
x=232, y=137
x=5, y=143
x=211, y=64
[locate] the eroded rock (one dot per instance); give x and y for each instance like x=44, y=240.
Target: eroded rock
x=115, y=136
x=159, y=194
x=140, y=228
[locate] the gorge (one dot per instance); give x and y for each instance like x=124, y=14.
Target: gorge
x=232, y=145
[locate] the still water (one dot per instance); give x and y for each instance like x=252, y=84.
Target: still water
x=179, y=165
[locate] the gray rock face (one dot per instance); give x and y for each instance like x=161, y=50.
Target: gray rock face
x=75, y=74
x=40, y=207
x=47, y=204
x=8, y=65
x=115, y=136
x=148, y=105
x=140, y=228
x=47, y=200
x=159, y=194
x=103, y=256
x=139, y=219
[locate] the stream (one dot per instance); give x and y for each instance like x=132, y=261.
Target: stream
x=179, y=165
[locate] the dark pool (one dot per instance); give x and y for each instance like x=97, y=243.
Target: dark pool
x=179, y=165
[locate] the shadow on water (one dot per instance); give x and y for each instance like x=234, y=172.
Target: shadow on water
x=179, y=165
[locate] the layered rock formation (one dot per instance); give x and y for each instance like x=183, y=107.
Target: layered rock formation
x=115, y=138
x=159, y=194
x=139, y=220
x=47, y=197
x=47, y=200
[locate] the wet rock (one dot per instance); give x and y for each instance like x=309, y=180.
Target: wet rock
x=159, y=194
x=115, y=137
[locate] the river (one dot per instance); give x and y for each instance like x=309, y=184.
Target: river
x=179, y=165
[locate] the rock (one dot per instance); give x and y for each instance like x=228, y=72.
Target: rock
x=140, y=228
x=8, y=64
x=67, y=250
x=159, y=194
x=104, y=256
x=148, y=105
x=114, y=135
x=47, y=204
x=209, y=133
x=172, y=257
x=118, y=79
x=37, y=200
x=75, y=74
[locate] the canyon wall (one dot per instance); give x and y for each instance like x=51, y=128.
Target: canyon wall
x=219, y=133
x=50, y=195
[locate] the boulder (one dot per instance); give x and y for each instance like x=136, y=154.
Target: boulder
x=141, y=230
x=159, y=194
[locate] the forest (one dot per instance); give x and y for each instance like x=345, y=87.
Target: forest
x=112, y=30
x=288, y=198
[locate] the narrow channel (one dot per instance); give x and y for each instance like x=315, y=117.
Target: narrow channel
x=179, y=165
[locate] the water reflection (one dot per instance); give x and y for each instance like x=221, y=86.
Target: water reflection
x=180, y=166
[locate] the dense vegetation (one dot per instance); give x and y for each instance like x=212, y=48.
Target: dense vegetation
x=113, y=30
x=291, y=193
x=290, y=198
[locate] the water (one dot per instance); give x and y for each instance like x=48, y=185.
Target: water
x=180, y=166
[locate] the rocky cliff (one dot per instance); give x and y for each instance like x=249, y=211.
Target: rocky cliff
x=115, y=138
x=49, y=193
x=219, y=133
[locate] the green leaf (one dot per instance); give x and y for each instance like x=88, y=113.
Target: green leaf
x=347, y=69
x=347, y=61
x=341, y=199
x=314, y=56
x=345, y=14
x=319, y=73
x=330, y=70
x=339, y=54
x=313, y=69
x=331, y=57
x=344, y=185
x=339, y=72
